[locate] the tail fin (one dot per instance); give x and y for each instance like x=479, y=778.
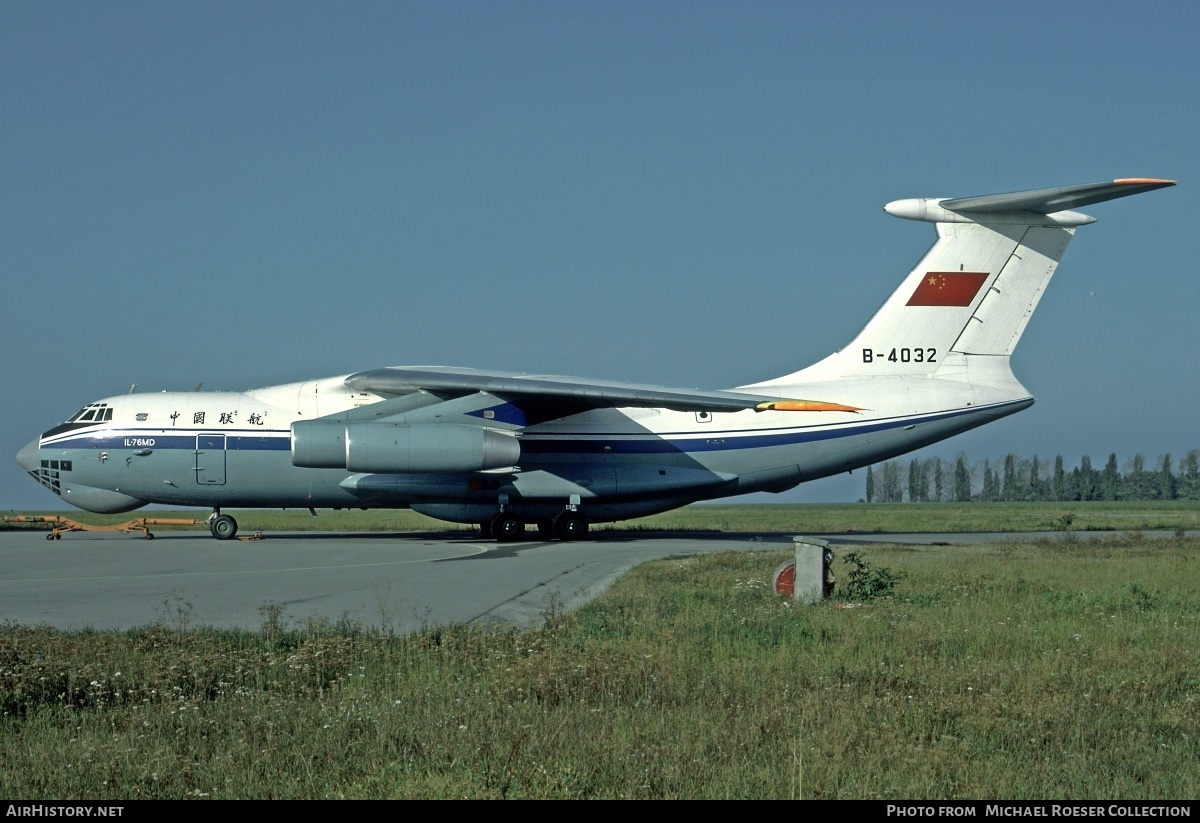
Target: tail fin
x=974, y=291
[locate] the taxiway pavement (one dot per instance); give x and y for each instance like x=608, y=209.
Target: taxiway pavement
x=398, y=581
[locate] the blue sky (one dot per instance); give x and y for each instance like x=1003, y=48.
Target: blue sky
x=687, y=193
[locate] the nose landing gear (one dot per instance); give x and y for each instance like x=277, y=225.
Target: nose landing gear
x=222, y=526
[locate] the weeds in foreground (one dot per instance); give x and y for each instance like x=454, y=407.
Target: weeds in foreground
x=1064, y=671
x=866, y=581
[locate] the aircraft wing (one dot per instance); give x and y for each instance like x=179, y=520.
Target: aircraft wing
x=552, y=396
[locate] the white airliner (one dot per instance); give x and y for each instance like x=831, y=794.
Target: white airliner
x=503, y=450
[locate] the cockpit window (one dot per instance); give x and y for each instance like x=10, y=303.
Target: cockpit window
x=95, y=413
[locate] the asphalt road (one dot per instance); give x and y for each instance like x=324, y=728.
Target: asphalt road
x=400, y=581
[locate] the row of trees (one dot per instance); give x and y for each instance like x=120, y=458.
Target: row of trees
x=1030, y=478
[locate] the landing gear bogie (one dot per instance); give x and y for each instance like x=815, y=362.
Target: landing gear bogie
x=506, y=527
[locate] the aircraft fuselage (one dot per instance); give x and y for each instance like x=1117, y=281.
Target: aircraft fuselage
x=234, y=449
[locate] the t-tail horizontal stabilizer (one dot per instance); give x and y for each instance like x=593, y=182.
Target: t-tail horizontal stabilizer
x=1032, y=208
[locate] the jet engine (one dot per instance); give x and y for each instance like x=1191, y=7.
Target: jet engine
x=400, y=447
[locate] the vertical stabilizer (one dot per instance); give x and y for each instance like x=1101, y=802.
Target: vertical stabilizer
x=973, y=292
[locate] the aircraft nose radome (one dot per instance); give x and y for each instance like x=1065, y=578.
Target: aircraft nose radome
x=29, y=457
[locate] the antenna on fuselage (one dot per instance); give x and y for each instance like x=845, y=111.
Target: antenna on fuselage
x=198, y=385
x=133, y=388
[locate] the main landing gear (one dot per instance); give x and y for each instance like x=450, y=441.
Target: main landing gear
x=570, y=526
x=222, y=526
x=507, y=527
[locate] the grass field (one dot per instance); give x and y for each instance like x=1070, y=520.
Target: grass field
x=1065, y=669
x=818, y=517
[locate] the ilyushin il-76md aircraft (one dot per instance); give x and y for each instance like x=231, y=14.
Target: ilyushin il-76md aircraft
x=506, y=450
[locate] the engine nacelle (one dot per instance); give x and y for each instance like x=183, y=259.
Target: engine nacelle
x=400, y=447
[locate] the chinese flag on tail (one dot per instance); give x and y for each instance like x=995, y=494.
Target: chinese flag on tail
x=947, y=288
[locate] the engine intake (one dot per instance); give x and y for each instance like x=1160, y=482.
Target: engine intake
x=400, y=447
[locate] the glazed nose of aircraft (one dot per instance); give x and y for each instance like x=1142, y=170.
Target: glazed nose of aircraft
x=29, y=457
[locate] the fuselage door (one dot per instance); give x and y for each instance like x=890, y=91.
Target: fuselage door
x=210, y=459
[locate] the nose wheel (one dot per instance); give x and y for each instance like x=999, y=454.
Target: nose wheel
x=223, y=527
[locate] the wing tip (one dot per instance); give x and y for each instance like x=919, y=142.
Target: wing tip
x=1144, y=181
